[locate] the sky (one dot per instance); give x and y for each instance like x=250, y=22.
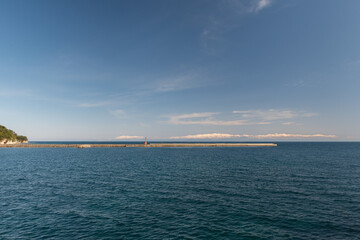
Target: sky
x=229, y=70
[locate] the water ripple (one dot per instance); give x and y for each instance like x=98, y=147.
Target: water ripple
x=293, y=191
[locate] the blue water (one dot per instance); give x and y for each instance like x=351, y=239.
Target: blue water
x=293, y=191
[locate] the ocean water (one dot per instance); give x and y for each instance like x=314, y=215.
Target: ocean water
x=293, y=191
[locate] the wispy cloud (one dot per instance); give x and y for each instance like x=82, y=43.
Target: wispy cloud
x=296, y=84
x=207, y=118
x=260, y=5
x=117, y=113
x=184, y=118
x=273, y=114
x=353, y=63
x=143, y=89
x=188, y=80
x=213, y=32
x=227, y=18
x=248, y=6
x=248, y=117
x=209, y=136
x=126, y=137
x=94, y=104
x=16, y=93
x=249, y=136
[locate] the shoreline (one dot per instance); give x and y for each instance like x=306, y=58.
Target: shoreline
x=167, y=145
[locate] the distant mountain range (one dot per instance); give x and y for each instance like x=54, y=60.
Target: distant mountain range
x=8, y=136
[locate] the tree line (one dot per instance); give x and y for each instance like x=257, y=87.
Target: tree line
x=10, y=135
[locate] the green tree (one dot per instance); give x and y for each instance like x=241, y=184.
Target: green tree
x=10, y=135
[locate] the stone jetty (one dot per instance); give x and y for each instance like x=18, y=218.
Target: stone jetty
x=167, y=145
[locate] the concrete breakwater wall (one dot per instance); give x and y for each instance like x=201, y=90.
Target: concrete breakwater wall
x=139, y=145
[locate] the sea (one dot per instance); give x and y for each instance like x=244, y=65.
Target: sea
x=297, y=190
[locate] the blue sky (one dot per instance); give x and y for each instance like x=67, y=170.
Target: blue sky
x=249, y=70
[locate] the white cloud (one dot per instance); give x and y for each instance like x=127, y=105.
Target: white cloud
x=287, y=135
x=264, y=136
x=207, y=118
x=248, y=6
x=125, y=137
x=273, y=114
x=208, y=136
x=287, y=123
x=260, y=5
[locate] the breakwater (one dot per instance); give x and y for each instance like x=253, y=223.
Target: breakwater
x=168, y=145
